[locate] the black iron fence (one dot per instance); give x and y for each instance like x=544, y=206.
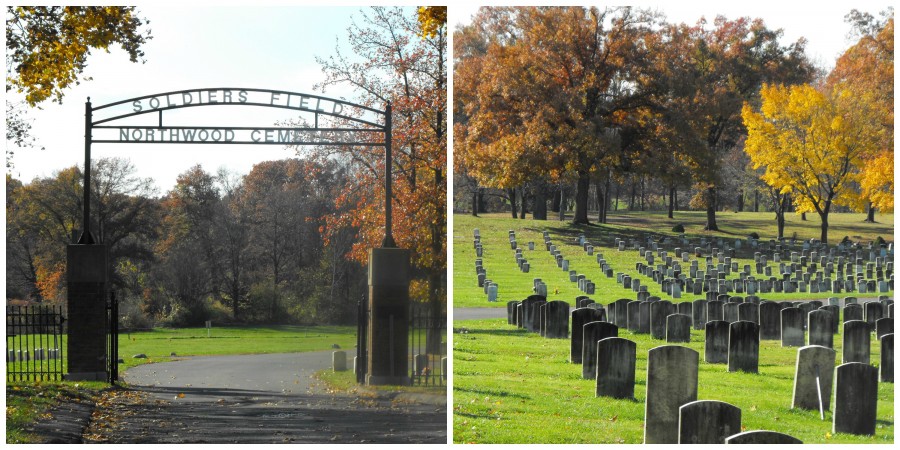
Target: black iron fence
x=112, y=338
x=35, y=340
x=427, y=345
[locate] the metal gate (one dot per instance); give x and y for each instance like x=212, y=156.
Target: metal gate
x=112, y=338
x=35, y=341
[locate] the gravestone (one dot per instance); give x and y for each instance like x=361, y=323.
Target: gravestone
x=873, y=312
x=618, y=312
x=762, y=437
x=616, y=358
x=883, y=326
x=792, y=328
x=557, y=320
x=699, y=314
x=685, y=308
x=707, y=422
x=339, y=361
x=580, y=317
x=886, y=369
x=857, y=341
x=748, y=312
x=634, y=316
x=813, y=361
x=531, y=317
x=671, y=382
x=593, y=332
x=743, y=347
x=820, y=325
x=678, y=328
x=715, y=310
x=835, y=317
x=716, y=343
x=769, y=321
x=511, y=312
x=855, y=398
x=852, y=311
x=644, y=317
x=658, y=313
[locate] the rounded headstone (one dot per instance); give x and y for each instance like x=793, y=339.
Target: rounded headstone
x=716, y=342
x=671, y=382
x=593, y=332
x=792, y=328
x=857, y=341
x=580, y=317
x=743, y=347
x=820, y=325
x=707, y=422
x=678, y=328
x=855, y=398
x=762, y=437
x=813, y=361
x=886, y=369
x=616, y=358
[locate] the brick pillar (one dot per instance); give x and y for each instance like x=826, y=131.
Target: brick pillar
x=388, y=338
x=86, y=273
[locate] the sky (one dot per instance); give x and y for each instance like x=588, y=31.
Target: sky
x=263, y=47
x=274, y=47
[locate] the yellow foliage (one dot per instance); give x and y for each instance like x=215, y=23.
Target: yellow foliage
x=811, y=143
x=432, y=19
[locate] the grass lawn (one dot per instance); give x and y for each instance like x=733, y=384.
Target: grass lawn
x=511, y=386
x=499, y=259
x=26, y=402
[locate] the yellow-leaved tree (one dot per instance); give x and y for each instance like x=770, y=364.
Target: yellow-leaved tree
x=810, y=143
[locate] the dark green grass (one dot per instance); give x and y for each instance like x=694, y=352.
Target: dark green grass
x=499, y=259
x=511, y=386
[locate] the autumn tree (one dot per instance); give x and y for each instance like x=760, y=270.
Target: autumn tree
x=810, y=144
x=546, y=97
x=47, y=49
x=866, y=70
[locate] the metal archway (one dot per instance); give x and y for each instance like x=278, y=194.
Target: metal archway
x=359, y=132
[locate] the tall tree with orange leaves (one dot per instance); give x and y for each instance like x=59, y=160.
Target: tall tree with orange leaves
x=393, y=61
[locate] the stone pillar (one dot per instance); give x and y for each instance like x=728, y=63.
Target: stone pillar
x=87, y=270
x=388, y=338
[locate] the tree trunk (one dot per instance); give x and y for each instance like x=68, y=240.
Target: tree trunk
x=481, y=201
x=803, y=217
x=618, y=191
x=562, y=204
x=581, y=198
x=633, y=192
x=600, y=201
x=824, y=216
x=512, y=201
x=555, y=200
x=607, y=197
x=711, y=210
x=672, y=201
x=475, y=203
x=870, y=213
x=524, y=202
x=539, y=210
x=779, y=217
x=740, y=201
x=642, y=192
x=755, y=201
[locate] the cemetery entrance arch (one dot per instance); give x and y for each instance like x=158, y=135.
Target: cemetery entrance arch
x=334, y=122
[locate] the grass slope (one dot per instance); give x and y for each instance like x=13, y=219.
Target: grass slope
x=511, y=386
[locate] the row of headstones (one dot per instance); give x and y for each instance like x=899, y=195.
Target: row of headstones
x=40, y=354
x=611, y=360
x=420, y=363
x=673, y=414
x=491, y=289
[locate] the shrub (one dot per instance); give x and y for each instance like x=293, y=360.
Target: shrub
x=753, y=235
x=678, y=228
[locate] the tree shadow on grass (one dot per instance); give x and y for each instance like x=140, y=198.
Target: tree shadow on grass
x=513, y=332
x=490, y=393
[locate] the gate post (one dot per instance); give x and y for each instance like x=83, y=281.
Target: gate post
x=388, y=333
x=86, y=274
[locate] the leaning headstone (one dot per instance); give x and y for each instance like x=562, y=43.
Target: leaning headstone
x=616, y=358
x=593, y=332
x=762, y=437
x=678, y=328
x=580, y=317
x=671, y=382
x=743, y=347
x=557, y=320
x=855, y=398
x=707, y=422
x=857, y=341
x=812, y=378
x=792, y=328
x=716, y=342
x=886, y=369
x=819, y=324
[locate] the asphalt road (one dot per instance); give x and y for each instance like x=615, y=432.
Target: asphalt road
x=255, y=399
